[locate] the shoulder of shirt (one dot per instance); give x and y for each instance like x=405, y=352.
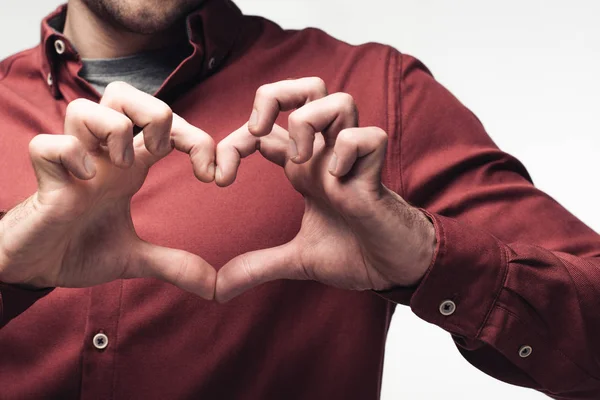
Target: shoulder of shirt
x=275, y=35
x=317, y=42
x=10, y=64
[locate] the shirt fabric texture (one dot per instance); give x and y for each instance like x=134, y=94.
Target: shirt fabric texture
x=521, y=270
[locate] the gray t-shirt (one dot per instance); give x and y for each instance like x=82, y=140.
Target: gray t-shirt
x=144, y=71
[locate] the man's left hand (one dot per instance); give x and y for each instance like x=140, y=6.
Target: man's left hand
x=356, y=234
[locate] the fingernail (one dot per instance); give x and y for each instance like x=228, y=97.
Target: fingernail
x=218, y=174
x=128, y=155
x=333, y=164
x=293, y=150
x=89, y=166
x=253, y=121
x=211, y=170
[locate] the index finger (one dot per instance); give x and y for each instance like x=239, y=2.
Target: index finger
x=276, y=97
x=149, y=113
x=241, y=144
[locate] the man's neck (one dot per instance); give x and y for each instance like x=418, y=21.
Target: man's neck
x=95, y=38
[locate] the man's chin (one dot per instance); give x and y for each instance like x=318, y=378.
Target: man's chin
x=143, y=16
x=145, y=26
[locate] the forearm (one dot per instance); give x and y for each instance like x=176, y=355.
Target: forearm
x=522, y=272
x=20, y=231
x=15, y=299
x=522, y=313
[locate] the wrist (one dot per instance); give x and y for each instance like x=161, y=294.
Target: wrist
x=427, y=249
x=415, y=244
x=12, y=271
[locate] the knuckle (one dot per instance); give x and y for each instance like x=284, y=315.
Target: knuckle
x=346, y=99
x=347, y=136
x=122, y=126
x=115, y=92
x=380, y=135
x=264, y=91
x=76, y=108
x=296, y=118
x=37, y=145
x=206, y=141
x=70, y=147
x=318, y=84
x=163, y=112
x=78, y=111
x=346, y=102
x=116, y=87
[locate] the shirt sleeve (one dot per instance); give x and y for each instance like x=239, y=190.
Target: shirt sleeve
x=15, y=300
x=515, y=277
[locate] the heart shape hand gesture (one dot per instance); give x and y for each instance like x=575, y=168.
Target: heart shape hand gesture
x=356, y=234
x=77, y=230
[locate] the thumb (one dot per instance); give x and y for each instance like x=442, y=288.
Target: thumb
x=180, y=268
x=254, y=268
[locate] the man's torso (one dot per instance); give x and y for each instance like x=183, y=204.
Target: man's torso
x=282, y=340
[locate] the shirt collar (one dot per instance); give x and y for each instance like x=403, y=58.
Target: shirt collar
x=212, y=30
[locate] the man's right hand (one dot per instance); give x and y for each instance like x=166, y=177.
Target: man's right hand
x=76, y=230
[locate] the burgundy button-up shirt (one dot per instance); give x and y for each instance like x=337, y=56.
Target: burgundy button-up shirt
x=515, y=278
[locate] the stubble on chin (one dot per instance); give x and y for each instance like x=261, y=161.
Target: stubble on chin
x=133, y=16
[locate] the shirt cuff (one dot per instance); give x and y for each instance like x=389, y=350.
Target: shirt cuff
x=463, y=282
x=15, y=300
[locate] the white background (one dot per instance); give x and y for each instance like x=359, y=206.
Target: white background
x=527, y=68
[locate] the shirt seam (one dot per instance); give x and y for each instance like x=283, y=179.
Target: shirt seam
x=400, y=123
x=504, y=264
x=114, y=361
x=388, y=124
x=1, y=309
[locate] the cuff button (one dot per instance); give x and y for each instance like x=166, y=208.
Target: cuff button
x=447, y=308
x=525, y=351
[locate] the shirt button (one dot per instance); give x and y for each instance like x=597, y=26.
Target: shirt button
x=525, y=351
x=100, y=341
x=447, y=307
x=59, y=46
x=212, y=63
x=49, y=79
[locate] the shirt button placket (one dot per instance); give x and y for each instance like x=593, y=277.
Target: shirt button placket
x=100, y=343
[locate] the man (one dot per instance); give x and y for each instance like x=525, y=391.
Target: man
x=314, y=239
